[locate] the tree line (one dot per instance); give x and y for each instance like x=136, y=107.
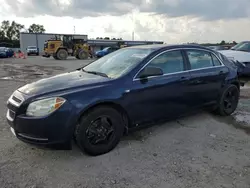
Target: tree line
x=107, y=38
x=223, y=42
x=10, y=32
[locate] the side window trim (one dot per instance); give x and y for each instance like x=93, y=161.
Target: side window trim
x=166, y=51
x=213, y=56
x=212, y=59
x=187, y=65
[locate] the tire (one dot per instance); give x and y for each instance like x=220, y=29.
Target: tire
x=62, y=54
x=87, y=122
x=223, y=108
x=82, y=54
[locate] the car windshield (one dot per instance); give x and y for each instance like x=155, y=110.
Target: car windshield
x=2, y=49
x=105, y=49
x=243, y=46
x=119, y=62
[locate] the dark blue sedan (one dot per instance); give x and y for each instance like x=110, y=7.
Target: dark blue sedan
x=6, y=52
x=126, y=89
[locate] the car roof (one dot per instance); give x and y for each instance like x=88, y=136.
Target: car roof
x=168, y=46
x=244, y=41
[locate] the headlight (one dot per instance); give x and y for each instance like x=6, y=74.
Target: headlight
x=45, y=106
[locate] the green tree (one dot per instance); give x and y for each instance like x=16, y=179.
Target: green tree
x=36, y=28
x=2, y=36
x=10, y=31
x=222, y=42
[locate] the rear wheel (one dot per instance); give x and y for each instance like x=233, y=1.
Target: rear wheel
x=82, y=54
x=228, y=100
x=99, y=130
x=62, y=54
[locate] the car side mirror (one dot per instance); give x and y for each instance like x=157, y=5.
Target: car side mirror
x=150, y=71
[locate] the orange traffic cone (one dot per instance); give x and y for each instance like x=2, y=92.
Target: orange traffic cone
x=24, y=57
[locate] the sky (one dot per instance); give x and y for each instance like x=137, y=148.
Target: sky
x=171, y=21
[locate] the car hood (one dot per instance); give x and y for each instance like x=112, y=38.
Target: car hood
x=60, y=82
x=236, y=55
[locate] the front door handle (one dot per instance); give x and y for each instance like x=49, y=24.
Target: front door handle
x=195, y=82
x=184, y=78
x=222, y=72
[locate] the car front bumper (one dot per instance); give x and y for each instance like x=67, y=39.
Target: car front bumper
x=32, y=52
x=3, y=55
x=55, y=128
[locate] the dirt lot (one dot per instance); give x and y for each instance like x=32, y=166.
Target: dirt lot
x=201, y=150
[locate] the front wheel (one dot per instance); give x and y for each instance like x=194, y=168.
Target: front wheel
x=99, y=131
x=62, y=54
x=228, y=100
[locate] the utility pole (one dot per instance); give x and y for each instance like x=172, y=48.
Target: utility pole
x=74, y=30
x=133, y=36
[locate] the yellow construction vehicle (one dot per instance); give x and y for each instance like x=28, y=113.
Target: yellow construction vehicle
x=121, y=44
x=63, y=46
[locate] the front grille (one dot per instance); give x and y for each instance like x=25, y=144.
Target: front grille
x=16, y=99
x=12, y=107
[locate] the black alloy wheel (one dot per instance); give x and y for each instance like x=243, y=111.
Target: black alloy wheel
x=99, y=130
x=229, y=100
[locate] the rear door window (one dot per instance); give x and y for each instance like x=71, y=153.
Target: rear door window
x=215, y=60
x=199, y=59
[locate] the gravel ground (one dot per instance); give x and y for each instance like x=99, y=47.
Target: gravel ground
x=201, y=150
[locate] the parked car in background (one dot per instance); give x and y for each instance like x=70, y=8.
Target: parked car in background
x=32, y=50
x=240, y=54
x=6, y=52
x=218, y=48
x=126, y=89
x=105, y=51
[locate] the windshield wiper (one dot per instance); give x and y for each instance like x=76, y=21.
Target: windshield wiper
x=96, y=73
